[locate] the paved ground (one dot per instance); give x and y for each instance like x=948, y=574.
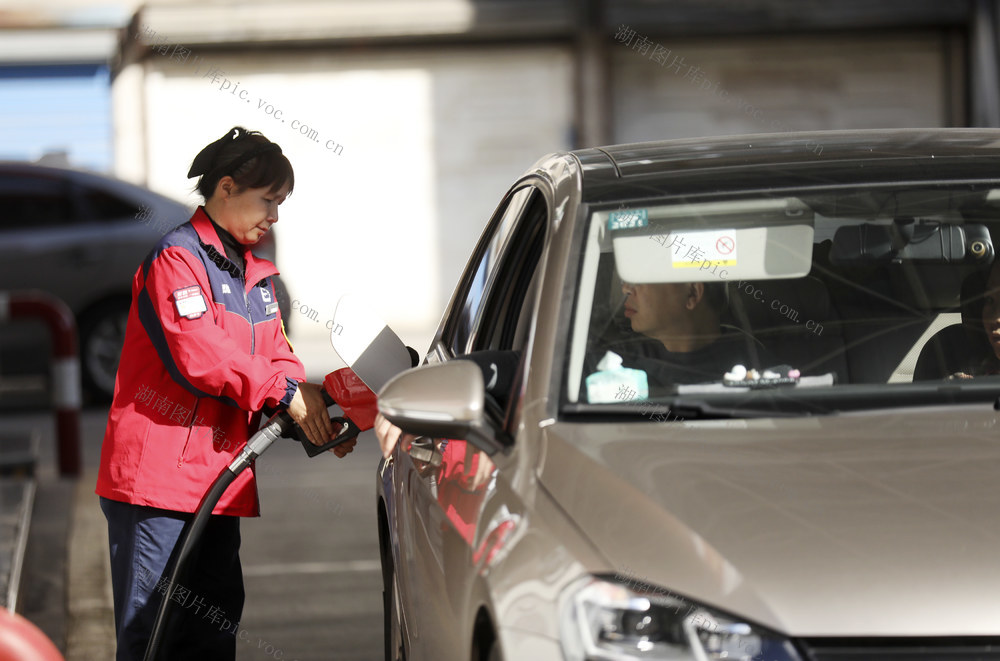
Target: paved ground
x=310, y=562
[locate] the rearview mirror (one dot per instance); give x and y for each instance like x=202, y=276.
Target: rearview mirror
x=441, y=401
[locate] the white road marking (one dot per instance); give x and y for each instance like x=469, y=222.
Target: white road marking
x=312, y=568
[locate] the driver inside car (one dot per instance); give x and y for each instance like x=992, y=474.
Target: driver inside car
x=691, y=345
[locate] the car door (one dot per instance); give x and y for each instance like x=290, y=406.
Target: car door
x=445, y=482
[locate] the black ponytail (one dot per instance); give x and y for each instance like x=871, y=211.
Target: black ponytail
x=248, y=157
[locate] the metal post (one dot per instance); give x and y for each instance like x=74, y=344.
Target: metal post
x=985, y=75
x=66, y=395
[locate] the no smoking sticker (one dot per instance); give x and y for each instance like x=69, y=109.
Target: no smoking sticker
x=725, y=245
x=717, y=247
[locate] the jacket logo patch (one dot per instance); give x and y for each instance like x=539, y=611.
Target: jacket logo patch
x=190, y=302
x=265, y=294
x=271, y=309
x=225, y=289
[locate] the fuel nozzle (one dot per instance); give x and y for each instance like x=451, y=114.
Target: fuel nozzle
x=343, y=388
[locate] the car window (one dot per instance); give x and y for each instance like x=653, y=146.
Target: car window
x=34, y=202
x=806, y=303
x=467, y=307
x=506, y=309
x=491, y=327
x=99, y=205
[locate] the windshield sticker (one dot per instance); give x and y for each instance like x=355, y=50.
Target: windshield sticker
x=628, y=219
x=716, y=247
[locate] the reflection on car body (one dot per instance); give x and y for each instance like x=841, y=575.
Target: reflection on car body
x=817, y=494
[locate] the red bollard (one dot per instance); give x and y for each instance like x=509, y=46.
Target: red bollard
x=66, y=396
x=21, y=640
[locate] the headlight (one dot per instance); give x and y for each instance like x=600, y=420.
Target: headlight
x=606, y=621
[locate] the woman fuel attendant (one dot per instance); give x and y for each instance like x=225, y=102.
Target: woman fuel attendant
x=204, y=353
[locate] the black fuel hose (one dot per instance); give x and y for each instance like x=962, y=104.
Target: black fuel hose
x=277, y=426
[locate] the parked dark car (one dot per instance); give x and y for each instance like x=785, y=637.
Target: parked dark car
x=729, y=398
x=79, y=236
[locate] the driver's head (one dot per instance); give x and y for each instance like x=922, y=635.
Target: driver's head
x=683, y=316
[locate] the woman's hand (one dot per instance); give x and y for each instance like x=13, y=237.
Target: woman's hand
x=483, y=473
x=309, y=411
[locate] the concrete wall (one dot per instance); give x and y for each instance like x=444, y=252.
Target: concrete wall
x=400, y=157
x=782, y=83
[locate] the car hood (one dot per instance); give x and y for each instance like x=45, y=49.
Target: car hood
x=869, y=524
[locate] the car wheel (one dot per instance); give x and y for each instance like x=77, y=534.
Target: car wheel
x=102, y=334
x=395, y=647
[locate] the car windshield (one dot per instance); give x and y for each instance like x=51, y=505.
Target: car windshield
x=807, y=302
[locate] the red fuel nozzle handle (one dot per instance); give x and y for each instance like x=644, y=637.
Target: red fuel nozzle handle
x=356, y=399
x=359, y=403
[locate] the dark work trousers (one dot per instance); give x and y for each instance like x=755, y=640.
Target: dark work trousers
x=208, y=598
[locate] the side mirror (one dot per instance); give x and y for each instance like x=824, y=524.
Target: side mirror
x=445, y=400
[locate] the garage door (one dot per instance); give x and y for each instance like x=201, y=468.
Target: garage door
x=768, y=84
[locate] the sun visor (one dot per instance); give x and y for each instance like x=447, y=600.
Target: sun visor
x=691, y=243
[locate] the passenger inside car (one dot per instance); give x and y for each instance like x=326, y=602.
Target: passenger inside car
x=989, y=363
x=691, y=345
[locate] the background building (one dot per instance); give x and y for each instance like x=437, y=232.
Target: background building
x=55, y=80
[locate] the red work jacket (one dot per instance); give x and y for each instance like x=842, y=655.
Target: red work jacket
x=204, y=353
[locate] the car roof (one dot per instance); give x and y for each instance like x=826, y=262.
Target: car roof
x=787, y=161
x=42, y=169
x=88, y=177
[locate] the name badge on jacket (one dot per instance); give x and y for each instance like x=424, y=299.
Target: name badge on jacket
x=190, y=302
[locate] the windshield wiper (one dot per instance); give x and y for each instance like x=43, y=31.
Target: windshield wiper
x=688, y=408
x=691, y=409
